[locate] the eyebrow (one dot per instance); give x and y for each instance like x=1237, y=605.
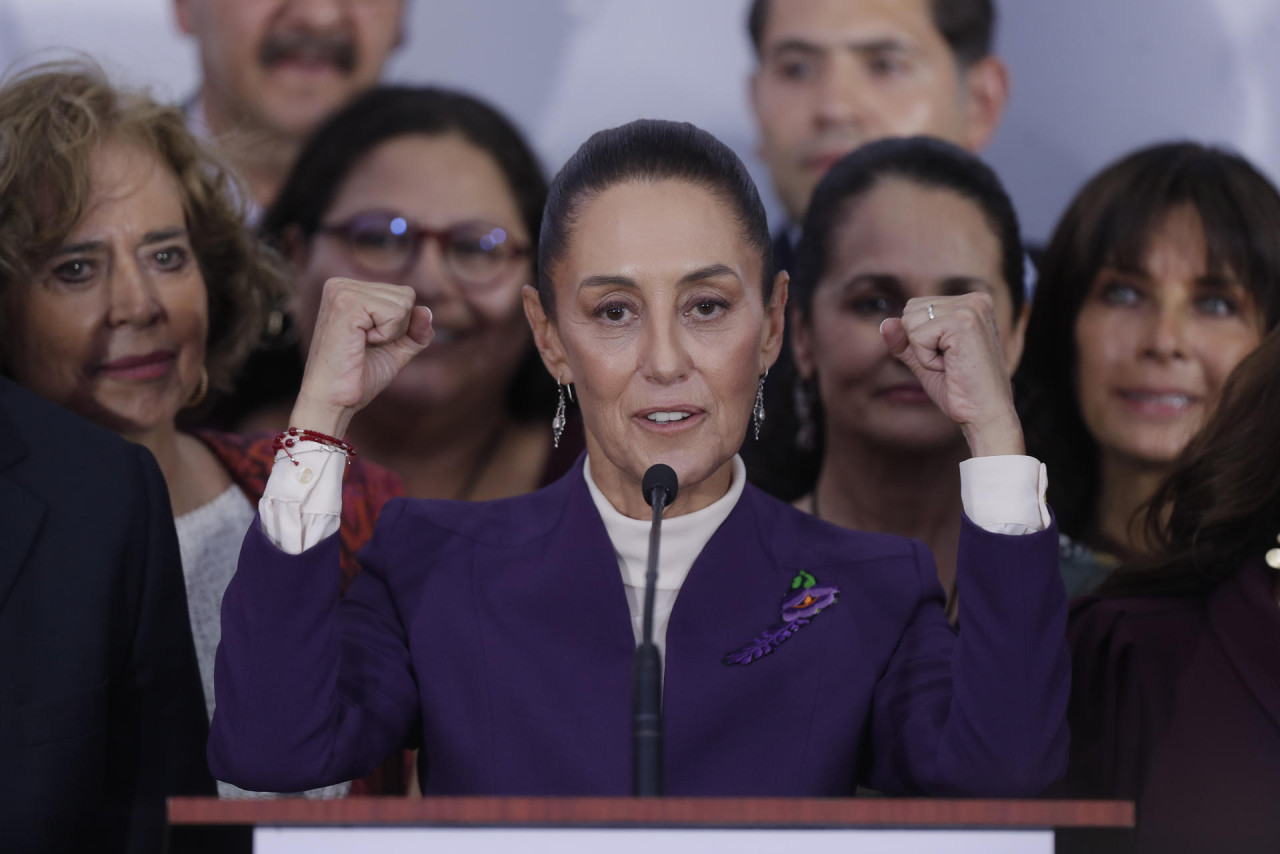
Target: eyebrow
x=711, y=271
x=868, y=46
x=150, y=237
x=1208, y=280
x=893, y=282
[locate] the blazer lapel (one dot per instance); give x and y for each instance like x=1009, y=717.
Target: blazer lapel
x=733, y=593
x=1246, y=621
x=21, y=512
x=560, y=646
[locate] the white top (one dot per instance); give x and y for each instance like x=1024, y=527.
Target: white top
x=302, y=503
x=209, y=539
x=683, y=539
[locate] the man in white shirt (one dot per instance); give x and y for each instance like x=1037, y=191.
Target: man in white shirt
x=273, y=70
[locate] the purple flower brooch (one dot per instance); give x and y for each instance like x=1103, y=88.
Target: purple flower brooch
x=804, y=601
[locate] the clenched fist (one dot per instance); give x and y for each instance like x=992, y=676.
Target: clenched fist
x=957, y=357
x=365, y=333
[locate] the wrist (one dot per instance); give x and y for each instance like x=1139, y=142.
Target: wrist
x=1002, y=438
x=310, y=415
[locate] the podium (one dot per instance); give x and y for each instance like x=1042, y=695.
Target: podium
x=649, y=825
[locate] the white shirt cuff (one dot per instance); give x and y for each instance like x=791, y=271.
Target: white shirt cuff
x=1005, y=494
x=302, y=504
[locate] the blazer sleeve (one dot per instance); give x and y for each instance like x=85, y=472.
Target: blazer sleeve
x=310, y=691
x=157, y=717
x=981, y=713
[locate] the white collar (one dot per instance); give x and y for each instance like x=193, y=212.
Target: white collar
x=683, y=537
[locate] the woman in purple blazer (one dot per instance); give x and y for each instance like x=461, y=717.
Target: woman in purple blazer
x=801, y=658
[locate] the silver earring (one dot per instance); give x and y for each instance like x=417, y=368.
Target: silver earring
x=558, y=422
x=807, y=432
x=757, y=411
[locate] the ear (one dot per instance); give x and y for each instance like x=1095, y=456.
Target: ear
x=775, y=321
x=1017, y=338
x=185, y=16
x=546, y=336
x=986, y=86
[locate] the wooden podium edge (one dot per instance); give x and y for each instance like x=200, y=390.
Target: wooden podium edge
x=658, y=812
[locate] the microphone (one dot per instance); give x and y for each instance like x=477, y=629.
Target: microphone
x=659, y=486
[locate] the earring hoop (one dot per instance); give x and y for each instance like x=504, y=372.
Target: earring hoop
x=202, y=390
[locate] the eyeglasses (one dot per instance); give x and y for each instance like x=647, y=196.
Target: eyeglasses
x=385, y=243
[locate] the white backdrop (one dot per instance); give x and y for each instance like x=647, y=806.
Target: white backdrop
x=1091, y=78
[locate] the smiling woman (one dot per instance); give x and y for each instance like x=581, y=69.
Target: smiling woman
x=499, y=636
x=131, y=292
x=1163, y=273
x=437, y=191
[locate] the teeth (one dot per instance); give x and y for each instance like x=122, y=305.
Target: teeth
x=1175, y=401
x=664, y=417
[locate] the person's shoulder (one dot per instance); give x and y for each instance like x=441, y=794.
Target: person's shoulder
x=1112, y=624
x=501, y=523
x=52, y=437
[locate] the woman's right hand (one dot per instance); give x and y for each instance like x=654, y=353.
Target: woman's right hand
x=365, y=333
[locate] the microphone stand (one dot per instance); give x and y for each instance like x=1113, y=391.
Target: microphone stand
x=646, y=671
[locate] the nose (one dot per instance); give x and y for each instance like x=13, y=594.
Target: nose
x=317, y=15
x=841, y=93
x=132, y=298
x=1164, y=333
x=664, y=358
x=430, y=276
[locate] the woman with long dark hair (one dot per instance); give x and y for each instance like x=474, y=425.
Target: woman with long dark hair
x=1162, y=274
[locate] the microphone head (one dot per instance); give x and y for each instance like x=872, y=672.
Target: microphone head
x=660, y=476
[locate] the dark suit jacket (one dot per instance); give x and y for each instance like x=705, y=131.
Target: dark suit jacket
x=498, y=636
x=1176, y=703
x=101, y=711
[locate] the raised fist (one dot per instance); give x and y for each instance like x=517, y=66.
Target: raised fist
x=365, y=333
x=952, y=345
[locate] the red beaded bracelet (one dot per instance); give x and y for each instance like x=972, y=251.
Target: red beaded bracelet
x=294, y=435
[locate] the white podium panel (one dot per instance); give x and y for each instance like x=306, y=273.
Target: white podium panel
x=480, y=840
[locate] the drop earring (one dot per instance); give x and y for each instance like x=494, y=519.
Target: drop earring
x=1273, y=557
x=559, y=421
x=757, y=411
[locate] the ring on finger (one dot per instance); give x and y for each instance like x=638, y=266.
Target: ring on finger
x=929, y=309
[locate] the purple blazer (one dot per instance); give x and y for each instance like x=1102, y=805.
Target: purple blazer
x=497, y=637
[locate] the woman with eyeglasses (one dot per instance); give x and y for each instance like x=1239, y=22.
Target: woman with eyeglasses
x=438, y=191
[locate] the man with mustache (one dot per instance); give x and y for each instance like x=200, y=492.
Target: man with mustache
x=273, y=70
x=833, y=75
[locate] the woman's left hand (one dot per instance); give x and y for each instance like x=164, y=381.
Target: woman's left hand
x=957, y=357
